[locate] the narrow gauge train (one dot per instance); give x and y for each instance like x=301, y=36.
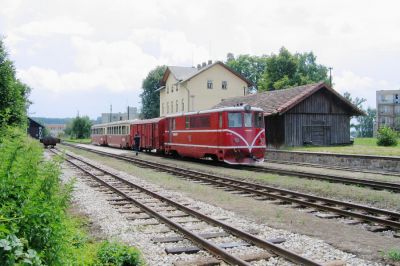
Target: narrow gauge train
x=234, y=135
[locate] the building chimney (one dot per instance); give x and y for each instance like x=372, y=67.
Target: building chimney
x=203, y=64
x=198, y=66
x=209, y=62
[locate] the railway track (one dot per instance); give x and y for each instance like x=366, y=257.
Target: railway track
x=380, y=219
x=150, y=202
x=348, y=169
x=374, y=184
x=377, y=185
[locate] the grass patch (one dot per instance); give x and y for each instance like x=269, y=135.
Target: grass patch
x=82, y=141
x=394, y=254
x=365, y=146
x=35, y=227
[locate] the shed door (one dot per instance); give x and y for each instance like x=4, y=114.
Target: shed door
x=317, y=133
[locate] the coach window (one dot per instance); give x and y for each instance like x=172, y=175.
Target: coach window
x=173, y=124
x=235, y=119
x=220, y=120
x=187, y=122
x=248, y=119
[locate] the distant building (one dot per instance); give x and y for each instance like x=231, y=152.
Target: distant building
x=35, y=129
x=113, y=117
x=186, y=89
x=313, y=114
x=56, y=130
x=388, y=109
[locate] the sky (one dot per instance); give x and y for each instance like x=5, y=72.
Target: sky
x=85, y=55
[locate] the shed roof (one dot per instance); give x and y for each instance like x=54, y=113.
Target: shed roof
x=280, y=101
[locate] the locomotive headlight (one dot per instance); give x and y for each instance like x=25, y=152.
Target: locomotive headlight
x=237, y=140
x=247, y=107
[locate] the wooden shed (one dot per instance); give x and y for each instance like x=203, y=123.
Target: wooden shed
x=35, y=129
x=312, y=114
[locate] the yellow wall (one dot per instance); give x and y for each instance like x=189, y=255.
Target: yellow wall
x=175, y=93
x=203, y=98
x=200, y=97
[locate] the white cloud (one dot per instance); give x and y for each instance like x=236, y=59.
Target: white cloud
x=114, y=45
x=171, y=47
x=115, y=66
x=60, y=25
x=362, y=87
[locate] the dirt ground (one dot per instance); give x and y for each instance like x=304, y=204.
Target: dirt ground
x=351, y=238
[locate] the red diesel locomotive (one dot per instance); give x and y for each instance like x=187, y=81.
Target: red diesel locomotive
x=234, y=135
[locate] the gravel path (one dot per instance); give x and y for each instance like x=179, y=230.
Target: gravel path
x=114, y=225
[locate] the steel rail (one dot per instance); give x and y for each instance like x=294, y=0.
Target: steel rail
x=269, y=191
x=212, y=248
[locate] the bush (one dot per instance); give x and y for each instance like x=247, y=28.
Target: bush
x=386, y=137
x=112, y=253
x=32, y=202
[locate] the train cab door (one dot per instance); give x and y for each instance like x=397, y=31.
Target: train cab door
x=220, y=134
x=170, y=127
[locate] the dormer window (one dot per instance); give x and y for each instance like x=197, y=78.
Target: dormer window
x=172, y=88
x=209, y=84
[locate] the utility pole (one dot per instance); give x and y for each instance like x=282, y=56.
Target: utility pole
x=110, y=111
x=330, y=76
x=128, y=112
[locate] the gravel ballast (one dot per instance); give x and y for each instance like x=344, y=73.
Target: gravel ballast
x=114, y=225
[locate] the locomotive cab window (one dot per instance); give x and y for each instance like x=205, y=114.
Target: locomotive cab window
x=258, y=120
x=235, y=119
x=248, y=119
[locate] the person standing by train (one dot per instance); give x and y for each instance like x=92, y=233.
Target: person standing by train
x=136, y=138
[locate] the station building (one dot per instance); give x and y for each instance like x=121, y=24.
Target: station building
x=187, y=89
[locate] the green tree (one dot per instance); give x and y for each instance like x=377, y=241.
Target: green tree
x=150, y=97
x=285, y=70
x=358, y=102
x=13, y=94
x=366, y=123
x=251, y=67
x=80, y=127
